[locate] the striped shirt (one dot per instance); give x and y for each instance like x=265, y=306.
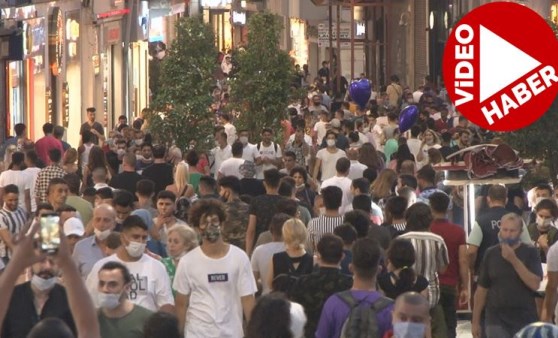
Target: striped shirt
x=431, y=255
x=13, y=221
x=319, y=226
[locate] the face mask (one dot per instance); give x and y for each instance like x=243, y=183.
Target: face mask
x=243, y=139
x=212, y=232
x=300, y=186
x=543, y=223
x=135, y=249
x=43, y=284
x=108, y=300
x=322, y=211
x=102, y=235
x=216, y=144
x=139, y=141
x=330, y=143
x=509, y=241
x=408, y=330
x=119, y=220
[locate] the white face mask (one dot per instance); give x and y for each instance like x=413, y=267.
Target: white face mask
x=135, y=249
x=408, y=330
x=322, y=211
x=243, y=140
x=43, y=284
x=300, y=186
x=108, y=300
x=102, y=235
x=330, y=143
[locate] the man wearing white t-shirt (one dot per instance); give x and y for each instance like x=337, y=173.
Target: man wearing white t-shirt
x=214, y=283
x=230, y=129
x=357, y=168
x=327, y=158
x=15, y=175
x=270, y=153
x=231, y=166
x=341, y=181
x=151, y=286
x=221, y=152
x=250, y=151
x=320, y=128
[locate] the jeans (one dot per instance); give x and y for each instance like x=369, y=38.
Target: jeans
x=448, y=296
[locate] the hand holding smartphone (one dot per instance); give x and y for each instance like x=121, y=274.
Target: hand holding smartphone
x=50, y=233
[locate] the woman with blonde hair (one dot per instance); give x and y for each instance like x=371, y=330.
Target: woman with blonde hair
x=181, y=239
x=382, y=187
x=430, y=140
x=292, y=262
x=69, y=162
x=181, y=187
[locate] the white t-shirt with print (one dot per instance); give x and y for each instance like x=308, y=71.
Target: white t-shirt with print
x=329, y=160
x=150, y=288
x=268, y=152
x=215, y=287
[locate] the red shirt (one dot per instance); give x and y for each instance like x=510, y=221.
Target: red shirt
x=44, y=145
x=454, y=236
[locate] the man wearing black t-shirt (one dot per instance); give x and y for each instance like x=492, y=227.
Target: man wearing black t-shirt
x=160, y=171
x=93, y=126
x=128, y=178
x=262, y=208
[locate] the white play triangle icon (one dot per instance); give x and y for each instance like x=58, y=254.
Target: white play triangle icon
x=501, y=63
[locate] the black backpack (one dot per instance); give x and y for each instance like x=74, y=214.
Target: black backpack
x=362, y=321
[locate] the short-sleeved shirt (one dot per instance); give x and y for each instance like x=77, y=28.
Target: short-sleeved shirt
x=13, y=221
x=43, y=179
x=160, y=174
x=312, y=290
x=234, y=228
x=215, y=287
x=329, y=160
x=260, y=260
x=86, y=254
x=431, y=255
x=129, y=326
x=150, y=287
x=319, y=226
x=454, y=237
x=231, y=167
x=21, y=180
x=263, y=207
x=552, y=265
x=272, y=151
x=335, y=312
x=509, y=302
x=97, y=126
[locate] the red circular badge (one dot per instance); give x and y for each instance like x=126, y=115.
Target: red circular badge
x=500, y=66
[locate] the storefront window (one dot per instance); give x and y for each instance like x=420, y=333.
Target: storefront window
x=16, y=98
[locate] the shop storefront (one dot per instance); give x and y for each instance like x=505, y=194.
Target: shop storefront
x=25, y=77
x=138, y=67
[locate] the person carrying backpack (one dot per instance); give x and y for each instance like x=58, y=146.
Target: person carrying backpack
x=361, y=311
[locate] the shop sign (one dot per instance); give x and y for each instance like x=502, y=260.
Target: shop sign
x=56, y=40
x=33, y=36
x=112, y=34
x=72, y=38
x=344, y=33
x=238, y=18
x=66, y=104
x=49, y=108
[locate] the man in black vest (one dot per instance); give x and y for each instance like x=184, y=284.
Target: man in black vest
x=485, y=230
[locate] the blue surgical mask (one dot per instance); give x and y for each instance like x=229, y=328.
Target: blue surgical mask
x=408, y=330
x=509, y=241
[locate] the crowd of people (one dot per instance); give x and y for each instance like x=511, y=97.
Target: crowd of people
x=335, y=225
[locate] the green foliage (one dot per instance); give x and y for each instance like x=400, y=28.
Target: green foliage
x=261, y=87
x=538, y=141
x=181, y=109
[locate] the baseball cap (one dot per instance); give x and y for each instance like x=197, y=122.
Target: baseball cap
x=74, y=226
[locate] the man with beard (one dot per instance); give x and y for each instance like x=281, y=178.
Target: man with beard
x=214, y=282
x=40, y=298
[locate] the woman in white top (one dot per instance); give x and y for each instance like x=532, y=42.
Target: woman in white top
x=430, y=140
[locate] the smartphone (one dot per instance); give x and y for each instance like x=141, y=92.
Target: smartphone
x=50, y=233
